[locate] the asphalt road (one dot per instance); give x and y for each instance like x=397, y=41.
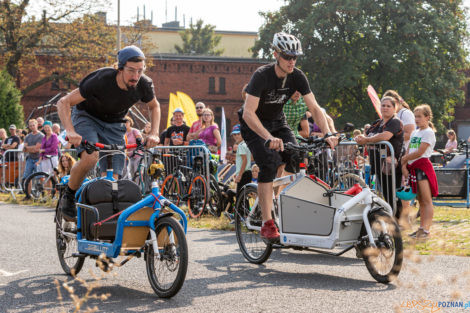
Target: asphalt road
x=219, y=279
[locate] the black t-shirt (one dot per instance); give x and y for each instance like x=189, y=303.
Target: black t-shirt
x=106, y=101
x=177, y=132
x=274, y=92
x=12, y=156
x=395, y=126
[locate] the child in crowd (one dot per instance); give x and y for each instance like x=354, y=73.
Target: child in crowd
x=242, y=159
x=417, y=166
x=254, y=173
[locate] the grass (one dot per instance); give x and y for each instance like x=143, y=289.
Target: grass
x=450, y=232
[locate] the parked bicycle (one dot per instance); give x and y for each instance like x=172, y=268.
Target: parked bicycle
x=311, y=216
x=41, y=185
x=113, y=220
x=190, y=187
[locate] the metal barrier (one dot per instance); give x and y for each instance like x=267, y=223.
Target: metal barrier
x=341, y=167
x=12, y=167
x=187, y=158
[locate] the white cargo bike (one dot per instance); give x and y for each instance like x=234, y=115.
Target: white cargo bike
x=311, y=216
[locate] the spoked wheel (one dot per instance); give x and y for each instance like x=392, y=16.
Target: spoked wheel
x=40, y=186
x=167, y=269
x=171, y=189
x=384, y=262
x=197, y=196
x=216, y=203
x=346, y=181
x=67, y=244
x=248, y=222
x=142, y=179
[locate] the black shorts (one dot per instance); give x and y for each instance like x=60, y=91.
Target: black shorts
x=420, y=175
x=269, y=160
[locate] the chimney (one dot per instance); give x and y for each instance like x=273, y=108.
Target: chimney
x=144, y=12
x=137, y=14
x=176, y=13
x=151, y=17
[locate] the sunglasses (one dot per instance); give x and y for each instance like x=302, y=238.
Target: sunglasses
x=288, y=57
x=198, y=108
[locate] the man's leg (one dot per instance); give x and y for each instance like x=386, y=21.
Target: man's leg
x=78, y=173
x=265, y=196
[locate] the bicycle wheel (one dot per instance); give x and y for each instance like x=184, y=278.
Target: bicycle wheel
x=346, y=181
x=142, y=179
x=197, y=196
x=384, y=262
x=253, y=248
x=171, y=189
x=216, y=203
x=40, y=186
x=167, y=270
x=67, y=244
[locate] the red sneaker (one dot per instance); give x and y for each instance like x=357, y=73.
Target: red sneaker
x=269, y=232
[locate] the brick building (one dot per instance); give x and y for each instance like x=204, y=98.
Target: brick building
x=216, y=81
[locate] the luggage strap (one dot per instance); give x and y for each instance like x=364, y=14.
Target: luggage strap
x=114, y=194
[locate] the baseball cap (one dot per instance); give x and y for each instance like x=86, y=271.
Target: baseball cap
x=12, y=126
x=178, y=110
x=235, y=129
x=128, y=52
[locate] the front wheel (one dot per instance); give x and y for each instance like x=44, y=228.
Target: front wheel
x=66, y=242
x=248, y=222
x=197, y=196
x=166, y=269
x=384, y=262
x=171, y=189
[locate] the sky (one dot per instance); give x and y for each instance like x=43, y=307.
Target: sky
x=239, y=15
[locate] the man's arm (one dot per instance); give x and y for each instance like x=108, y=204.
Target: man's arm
x=153, y=139
x=64, y=110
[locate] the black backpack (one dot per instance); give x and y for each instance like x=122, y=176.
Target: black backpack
x=109, y=198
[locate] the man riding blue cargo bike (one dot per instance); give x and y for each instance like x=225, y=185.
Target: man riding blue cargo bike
x=263, y=124
x=99, y=106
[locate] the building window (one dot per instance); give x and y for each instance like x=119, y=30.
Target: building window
x=222, y=85
x=211, y=85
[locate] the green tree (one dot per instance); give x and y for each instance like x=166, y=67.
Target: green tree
x=74, y=40
x=198, y=39
x=11, y=111
x=415, y=47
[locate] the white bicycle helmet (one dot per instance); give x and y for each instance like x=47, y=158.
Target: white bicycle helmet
x=287, y=44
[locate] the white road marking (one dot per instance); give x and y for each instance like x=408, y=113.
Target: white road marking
x=8, y=274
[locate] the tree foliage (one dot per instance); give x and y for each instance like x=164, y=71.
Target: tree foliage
x=65, y=43
x=415, y=47
x=11, y=111
x=199, y=39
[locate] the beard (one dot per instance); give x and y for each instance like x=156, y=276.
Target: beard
x=132, y=87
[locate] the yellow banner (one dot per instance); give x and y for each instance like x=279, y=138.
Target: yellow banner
x=174, y=103
x=187, y=104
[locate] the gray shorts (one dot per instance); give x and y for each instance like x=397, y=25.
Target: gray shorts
x=96, y=130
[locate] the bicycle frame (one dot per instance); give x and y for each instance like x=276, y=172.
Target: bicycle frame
x=154, y=200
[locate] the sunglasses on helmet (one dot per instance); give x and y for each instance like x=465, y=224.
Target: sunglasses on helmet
x=288, y=57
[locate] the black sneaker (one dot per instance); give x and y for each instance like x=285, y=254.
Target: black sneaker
x=67, y=206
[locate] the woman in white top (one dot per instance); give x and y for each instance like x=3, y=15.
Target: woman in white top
x=451, y=144
x=416, y=159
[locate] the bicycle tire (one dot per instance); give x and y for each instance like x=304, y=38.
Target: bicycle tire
x=197, y=196
x=252, y=246
x=142, y=179
x=215, y=203
x=171, y=189
x=37, y=186
x=173, y=258
x=346, y=181
x=66, y=246
x=389, y=245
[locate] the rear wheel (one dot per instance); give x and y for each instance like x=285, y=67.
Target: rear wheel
x=67, y=244
x=167, y=269
x=216, y=203
x=384, y=262
x=40, y=186
x=248, y=223
x=171, y=189
x=197, y=196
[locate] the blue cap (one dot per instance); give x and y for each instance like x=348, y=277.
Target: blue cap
x=47, y=123
x=178, y=110
x=235, y=129
x=128, y=52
